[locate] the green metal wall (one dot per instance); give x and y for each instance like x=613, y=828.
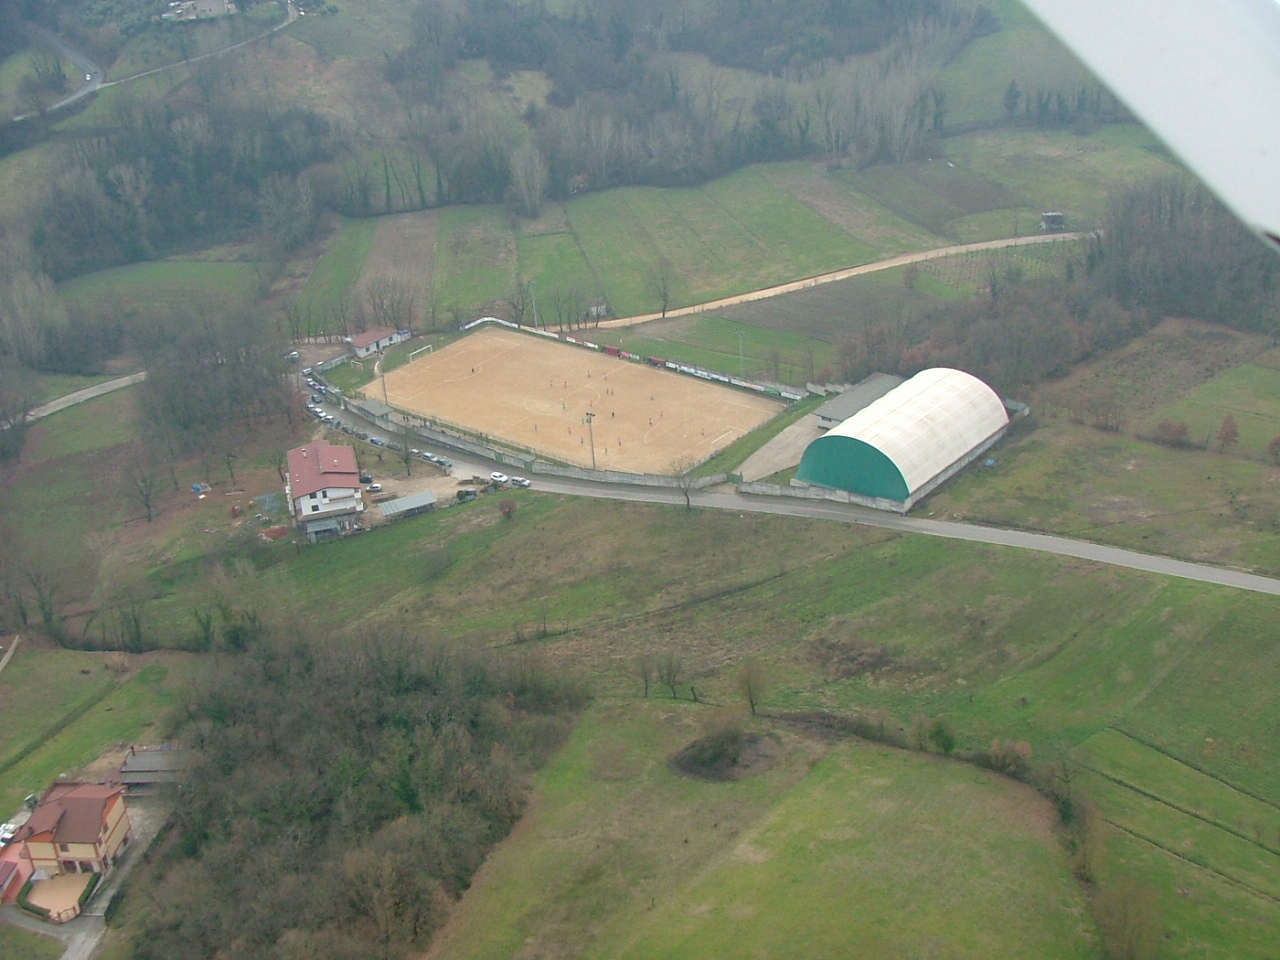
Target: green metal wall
x=854, y=465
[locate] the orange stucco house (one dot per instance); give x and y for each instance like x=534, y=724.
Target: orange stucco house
x=75, y=828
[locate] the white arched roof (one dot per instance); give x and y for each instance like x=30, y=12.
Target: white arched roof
x=928, y=423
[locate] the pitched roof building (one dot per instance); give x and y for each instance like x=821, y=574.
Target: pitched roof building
x=323, y=484
x=75, y=828
x=375, y=341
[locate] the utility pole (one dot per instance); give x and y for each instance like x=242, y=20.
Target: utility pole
x=533, y=290
x=591, y=417
x=382, y=372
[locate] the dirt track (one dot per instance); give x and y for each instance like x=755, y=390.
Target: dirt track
x=899, y=261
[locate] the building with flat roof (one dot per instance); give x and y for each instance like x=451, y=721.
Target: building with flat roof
x=848, y=402
x=409, y=506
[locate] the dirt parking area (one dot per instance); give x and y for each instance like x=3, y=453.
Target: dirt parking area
x=535, y=394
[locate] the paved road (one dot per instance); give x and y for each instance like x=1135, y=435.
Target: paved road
x=465, y=465
x=94, y=73
x=88, y=393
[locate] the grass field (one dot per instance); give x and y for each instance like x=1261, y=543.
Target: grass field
x=1249, y=393
x=816, y=857
x=16, y=944
x=167, y=287
x=67, y=500
x=1023, y=50
x=14, y=68
x=714, y=343
x=55, y=385
x=476, y=257
x=1117, y=488
x=338, y=271
x=1002, y=643
x=159, y=46
x=356, y=31
x=78, y=727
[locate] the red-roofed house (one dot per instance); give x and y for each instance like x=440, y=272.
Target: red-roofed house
x=375, y=341
x=323, y=487
x=75, y=828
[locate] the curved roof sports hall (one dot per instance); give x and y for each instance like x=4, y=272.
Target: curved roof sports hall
x=896, y=447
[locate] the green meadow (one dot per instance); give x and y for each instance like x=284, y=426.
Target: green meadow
x=975, y=82
x=165, y=287
x=1249, y=393
x=78, y=728
x=1160, y=689
x=335, y=276
x=830, y=850
x=19, y=944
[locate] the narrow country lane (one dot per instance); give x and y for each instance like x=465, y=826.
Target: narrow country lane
x=95, y=74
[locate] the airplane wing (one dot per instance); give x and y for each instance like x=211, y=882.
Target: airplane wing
x=1204, y=75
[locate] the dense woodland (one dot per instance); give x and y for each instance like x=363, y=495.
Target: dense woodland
x=347, y=791
x=1167, y=248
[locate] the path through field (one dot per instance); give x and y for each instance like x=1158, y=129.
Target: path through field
x=901, y=260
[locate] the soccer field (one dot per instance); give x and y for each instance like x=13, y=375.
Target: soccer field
x=535, y=394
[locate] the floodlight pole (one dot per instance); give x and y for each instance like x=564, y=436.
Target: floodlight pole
x=592, y=433
x=382, y=370
x=740, y=373
x=533, y=292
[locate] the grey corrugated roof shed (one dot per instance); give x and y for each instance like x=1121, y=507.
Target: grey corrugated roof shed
x=409, y=504
x=862, y=394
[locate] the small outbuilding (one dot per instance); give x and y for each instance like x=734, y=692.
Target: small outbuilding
x=901, y=447
x=410, y=506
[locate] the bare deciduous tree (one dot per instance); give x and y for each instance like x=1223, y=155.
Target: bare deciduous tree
x=662, y=278
x=645, y=668
x=682, y=469
x=753, y=682
x=390, y=302
x=528, y=178
x=670, y=670
x=142, y=482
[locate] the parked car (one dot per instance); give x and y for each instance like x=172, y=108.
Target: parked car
x=361, y=435
x=392, y=445
x=366, y=478
x=521, y=482
x=415, y=451
x=374, y=488
x=497, y=477
x=465, y=495
x=377, y=441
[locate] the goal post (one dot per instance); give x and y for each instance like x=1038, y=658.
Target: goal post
x=413, y=354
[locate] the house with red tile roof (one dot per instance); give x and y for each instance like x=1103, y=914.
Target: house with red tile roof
x=323, y=488
x=75, y=828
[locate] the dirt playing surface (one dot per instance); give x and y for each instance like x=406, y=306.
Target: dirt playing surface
x=534, y=394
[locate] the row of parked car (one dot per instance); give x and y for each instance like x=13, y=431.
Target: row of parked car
x=501, y=478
